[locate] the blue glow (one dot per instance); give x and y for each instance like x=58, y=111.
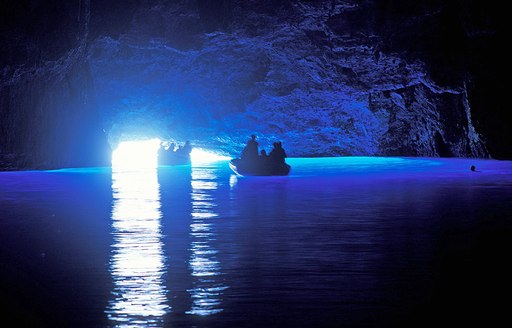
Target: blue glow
x=198, y=246
x=356, y=165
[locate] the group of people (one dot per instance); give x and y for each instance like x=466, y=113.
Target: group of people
x=251, y=153
x=185, y=149
x=169, y=154
x=173, y=155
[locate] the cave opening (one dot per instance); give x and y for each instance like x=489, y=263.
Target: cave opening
x=201, y=156
x=143, y=154
x=136, y=154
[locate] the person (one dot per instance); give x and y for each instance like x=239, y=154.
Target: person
x=182, y=154
x=187, y=148
x=184, y=151
x=250, y=151
x=163, y=153
x=278, y=154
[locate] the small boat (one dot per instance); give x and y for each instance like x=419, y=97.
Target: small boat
x=259, y=167
x=167, y=157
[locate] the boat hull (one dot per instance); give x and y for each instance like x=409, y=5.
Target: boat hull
x=173, y=158
x=259, y=168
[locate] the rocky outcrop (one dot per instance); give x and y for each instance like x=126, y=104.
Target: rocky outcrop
x=423, y=121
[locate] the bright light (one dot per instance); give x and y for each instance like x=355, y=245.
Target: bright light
x=137, y=259
x=141, y=154
x=202, y=156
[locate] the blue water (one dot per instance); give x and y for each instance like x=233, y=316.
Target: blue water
x=341, y=242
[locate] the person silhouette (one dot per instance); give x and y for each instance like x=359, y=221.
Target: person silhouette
x=187, y=148
x=250, y=151
x=182, y=154
x=264, y=159
x=278, y=154
x=281, y=150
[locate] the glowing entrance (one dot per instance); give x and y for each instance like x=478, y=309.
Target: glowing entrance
x=141, y=154
x=203, y=156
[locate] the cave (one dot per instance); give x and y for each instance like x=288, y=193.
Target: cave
x=393, y=211
x=328, y=78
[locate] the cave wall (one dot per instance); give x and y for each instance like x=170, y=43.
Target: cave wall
x=418, y=123
x=326, y=77
x=49, y=117
x=322, y=76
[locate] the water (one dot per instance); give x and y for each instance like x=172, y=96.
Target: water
x=341, y=242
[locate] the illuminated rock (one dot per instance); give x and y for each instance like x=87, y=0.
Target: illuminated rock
x=327, y=78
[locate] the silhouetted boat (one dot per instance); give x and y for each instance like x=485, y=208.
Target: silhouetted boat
x=167, y=157
x=259, y=167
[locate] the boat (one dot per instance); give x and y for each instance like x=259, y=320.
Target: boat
x=169, y=157
x=259, y=167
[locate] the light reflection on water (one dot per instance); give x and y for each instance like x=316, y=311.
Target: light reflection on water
x=137, y=261
x=208, y=286
x=352, y=242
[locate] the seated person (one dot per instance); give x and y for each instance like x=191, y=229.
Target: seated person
x=278, y=154
x=250, y=151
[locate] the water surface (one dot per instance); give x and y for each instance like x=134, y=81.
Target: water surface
x=341, y=242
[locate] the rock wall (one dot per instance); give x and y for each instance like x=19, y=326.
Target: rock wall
x=326, y=77
x=417, y=122
x=316, y=75
x=48, y=111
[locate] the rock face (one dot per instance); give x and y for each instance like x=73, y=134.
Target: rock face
x=418, y=123
x=312, y=74
x=49, y=117
x=327, y=78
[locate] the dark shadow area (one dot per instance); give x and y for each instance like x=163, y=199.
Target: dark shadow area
x=55, y=266
x=460, y=41
x=471, y=282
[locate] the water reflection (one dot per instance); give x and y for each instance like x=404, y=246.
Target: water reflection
x=233, y=180
x=137, y=260
x=206, y=270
